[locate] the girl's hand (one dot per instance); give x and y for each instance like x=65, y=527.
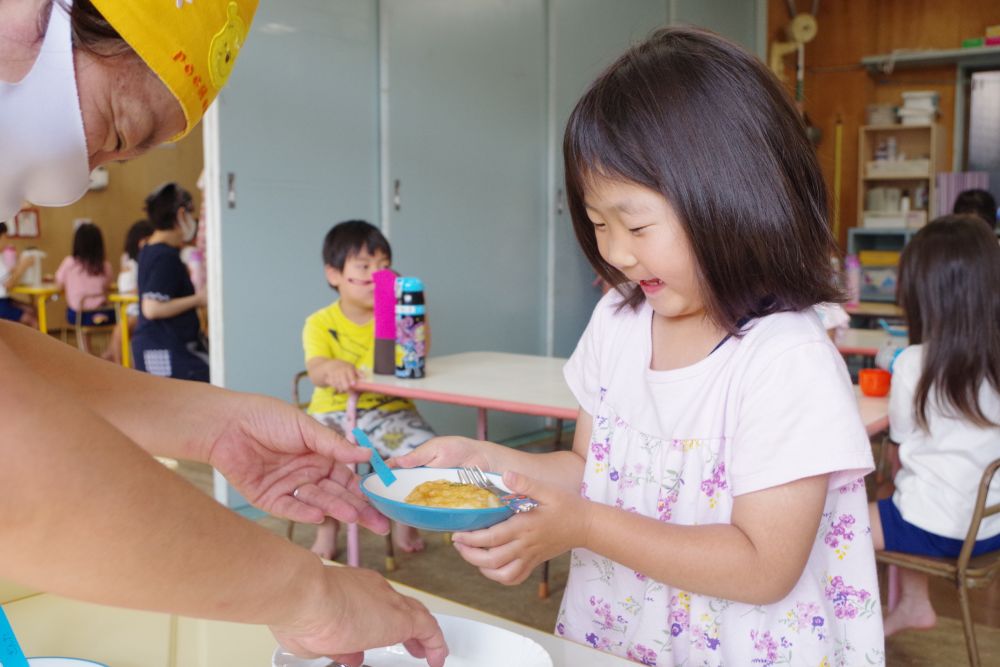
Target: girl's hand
x=450, y=451
x=269, y=451
x=355, y=610
x=509, y=551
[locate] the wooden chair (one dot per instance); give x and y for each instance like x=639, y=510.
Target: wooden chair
x=83, y=331
x=966, y=571
x=390, y=549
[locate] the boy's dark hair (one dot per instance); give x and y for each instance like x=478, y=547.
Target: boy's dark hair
x=3, y=228
x=348, y=238
x=699, y=120
x=138, y=232
x=977, y=202
x=164, y=203
x=88, y=248
x=948, y=277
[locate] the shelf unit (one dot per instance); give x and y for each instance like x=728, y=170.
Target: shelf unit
x=917, y=142
x=878, y=281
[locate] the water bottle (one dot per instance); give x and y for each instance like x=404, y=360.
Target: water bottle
x=852, y=273
x=411, y=330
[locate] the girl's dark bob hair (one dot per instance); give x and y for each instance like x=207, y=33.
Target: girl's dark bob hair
x=948, y=277
x=705, y=124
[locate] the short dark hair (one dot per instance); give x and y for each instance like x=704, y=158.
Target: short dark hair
x=3, y=228
x=91, y=31
x=348, y=238
x=164, y=203
x=139, y=231
x=88, y=248
x=699, y=120
x=977, y=202
x=948, y=277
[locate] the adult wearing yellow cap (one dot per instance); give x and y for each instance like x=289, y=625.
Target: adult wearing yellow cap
x=92, y=514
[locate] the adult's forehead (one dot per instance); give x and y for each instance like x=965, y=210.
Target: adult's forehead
x=191, y=45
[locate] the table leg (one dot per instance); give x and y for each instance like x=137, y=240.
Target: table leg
x=43, y=320
x=481, y=423
x=353, y=548
x=123, y=323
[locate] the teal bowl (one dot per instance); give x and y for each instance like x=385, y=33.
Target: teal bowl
x=389, y=501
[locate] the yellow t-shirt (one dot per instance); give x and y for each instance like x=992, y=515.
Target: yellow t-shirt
x=329, y=333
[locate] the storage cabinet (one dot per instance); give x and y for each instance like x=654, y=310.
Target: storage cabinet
x=897, y=163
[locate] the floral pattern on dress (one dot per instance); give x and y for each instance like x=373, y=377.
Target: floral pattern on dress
x=838, y=533
x=686, y=481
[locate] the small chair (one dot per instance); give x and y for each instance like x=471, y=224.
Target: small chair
x=965, y=571
x=83, y=331
x=390, y=549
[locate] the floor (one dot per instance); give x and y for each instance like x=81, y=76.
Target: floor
x=439, y=570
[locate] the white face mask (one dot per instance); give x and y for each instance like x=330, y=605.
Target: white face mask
x=41, y=128
x=189, y=226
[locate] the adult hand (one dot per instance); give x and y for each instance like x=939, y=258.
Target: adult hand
x=290, y=465
x=339, y=375
x=507, y=552
x=360, y=610
x=449, y=451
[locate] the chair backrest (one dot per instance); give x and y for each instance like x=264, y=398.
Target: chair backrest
x=980, y=512
x=296, y=393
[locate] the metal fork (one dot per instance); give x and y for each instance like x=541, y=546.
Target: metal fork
x=475, y=476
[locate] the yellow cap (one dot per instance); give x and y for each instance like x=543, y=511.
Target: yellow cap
x=190, y=44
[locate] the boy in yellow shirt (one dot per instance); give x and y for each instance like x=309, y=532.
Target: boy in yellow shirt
x=339, y=342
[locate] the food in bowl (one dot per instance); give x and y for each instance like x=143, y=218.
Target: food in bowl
x=456, y=495
x=390, y=500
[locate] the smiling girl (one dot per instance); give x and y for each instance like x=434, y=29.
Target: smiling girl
x=713, y=500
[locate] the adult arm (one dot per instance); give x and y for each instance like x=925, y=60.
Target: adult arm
x=95, y=518
x=264, y=447
x=153, y=309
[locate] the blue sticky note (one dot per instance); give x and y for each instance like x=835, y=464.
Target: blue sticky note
x=11, y=654
x=383, y=471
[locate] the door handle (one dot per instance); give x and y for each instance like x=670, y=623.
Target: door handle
x=560, y=202
x=231, y=189
x=397, y=201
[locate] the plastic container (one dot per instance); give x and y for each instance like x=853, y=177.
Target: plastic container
x=32, y=276
x=874, y=381
x=411, y=329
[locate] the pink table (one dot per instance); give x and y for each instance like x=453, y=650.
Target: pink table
x=519, y=383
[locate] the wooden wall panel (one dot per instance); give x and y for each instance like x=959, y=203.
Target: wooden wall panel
x=115, y=208
x=835, y=82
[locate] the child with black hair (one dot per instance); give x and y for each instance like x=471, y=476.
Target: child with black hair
x=944, y=408
x=979, y=203
x=714, y=499
x=168, y=340
x=339, y=343
x=85, y=277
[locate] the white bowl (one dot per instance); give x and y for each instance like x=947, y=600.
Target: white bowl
x=472, y=644
x=53, y=661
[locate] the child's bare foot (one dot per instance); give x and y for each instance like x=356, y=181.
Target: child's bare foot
x=916, y=614
x=325, y=544
x=407, y=538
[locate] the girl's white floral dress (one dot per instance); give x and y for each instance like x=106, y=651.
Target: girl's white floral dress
x=763, y=410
